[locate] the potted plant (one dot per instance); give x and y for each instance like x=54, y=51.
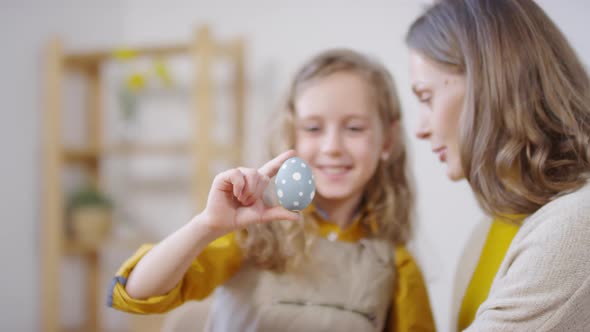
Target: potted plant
x=89, y=216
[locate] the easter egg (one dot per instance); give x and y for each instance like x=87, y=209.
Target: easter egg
x=294, y=184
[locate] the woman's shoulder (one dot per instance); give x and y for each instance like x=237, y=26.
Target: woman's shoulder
x=569, y=212
x=545, y=267
x=556, y=233
x=570, y=202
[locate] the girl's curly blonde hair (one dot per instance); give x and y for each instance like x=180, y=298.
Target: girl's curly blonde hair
x=388, y=195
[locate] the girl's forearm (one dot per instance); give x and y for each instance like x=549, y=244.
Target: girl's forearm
x=160, y=270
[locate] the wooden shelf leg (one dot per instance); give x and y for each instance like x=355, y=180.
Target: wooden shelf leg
x=52, y=203
x=93, y=291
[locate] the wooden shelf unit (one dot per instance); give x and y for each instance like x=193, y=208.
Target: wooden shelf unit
x=203, y=51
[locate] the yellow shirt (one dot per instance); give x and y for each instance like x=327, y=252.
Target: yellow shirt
x=222, y=259
x=497, y=242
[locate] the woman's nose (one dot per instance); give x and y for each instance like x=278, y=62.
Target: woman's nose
x=423, y=131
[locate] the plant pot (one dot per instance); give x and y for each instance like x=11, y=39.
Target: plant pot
x=90, y=226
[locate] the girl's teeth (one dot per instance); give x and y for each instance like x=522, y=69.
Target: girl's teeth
x=334, y=170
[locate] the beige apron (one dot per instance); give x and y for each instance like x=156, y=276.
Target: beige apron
x=339, y=287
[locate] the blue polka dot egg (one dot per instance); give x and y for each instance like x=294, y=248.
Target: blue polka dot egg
x=294, y=183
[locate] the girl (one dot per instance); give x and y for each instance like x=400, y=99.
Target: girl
x=506, y=105
x=343, y=267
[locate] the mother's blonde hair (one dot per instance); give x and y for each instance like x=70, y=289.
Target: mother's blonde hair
x=525, y=129
x=388, y=195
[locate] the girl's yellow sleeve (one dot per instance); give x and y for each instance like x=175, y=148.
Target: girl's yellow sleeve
x=411, y=307
x=214, y=266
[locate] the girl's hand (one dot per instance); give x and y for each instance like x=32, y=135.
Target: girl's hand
x=235, y=199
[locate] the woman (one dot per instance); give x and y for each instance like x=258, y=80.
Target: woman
x=506, y=105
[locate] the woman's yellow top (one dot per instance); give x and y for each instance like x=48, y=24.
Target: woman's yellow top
x=222, y=259
x=497, y=242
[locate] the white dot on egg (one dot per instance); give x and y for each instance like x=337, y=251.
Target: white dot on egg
x=293, y=161
x=284, y=166
x=301, y=193
x=295, y=203
x=303, y=165
x=284, y=181
x=280, y=193
x=312, y=194
x=296, y=176
x=309, y=181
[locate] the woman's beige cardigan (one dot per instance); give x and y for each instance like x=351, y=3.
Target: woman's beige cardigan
x=543, y=284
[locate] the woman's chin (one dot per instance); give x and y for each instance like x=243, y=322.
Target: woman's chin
x=455, y=174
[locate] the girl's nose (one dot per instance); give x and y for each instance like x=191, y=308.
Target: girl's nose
x=332, y=142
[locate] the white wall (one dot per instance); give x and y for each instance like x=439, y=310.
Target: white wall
x=24, y=28
x=279, y=38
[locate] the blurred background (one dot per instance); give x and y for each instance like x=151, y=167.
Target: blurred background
x=97, y=130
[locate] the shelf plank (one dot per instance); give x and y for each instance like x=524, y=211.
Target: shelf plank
x=74, y=248
x=86, y=59
x=155, y=149
x=92, y=58
x=82, y=156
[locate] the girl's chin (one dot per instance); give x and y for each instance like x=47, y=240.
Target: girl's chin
x=334, y=193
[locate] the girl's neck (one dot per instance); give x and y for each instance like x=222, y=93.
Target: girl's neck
x=340, y=212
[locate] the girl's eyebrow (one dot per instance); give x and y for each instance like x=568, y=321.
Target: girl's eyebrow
x=357, y=117
x=351, y=116
x=307, y=118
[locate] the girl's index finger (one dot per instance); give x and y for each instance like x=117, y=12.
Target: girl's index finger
x=271, y=168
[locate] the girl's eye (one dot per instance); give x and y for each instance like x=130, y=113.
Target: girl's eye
x=311, y=129
x=356, y=128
